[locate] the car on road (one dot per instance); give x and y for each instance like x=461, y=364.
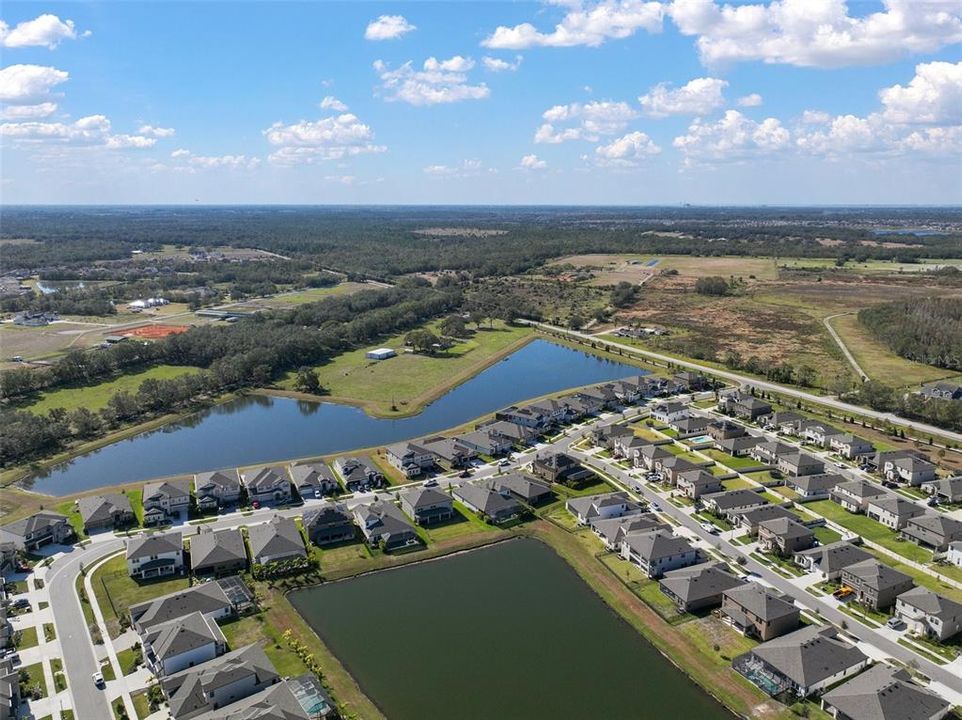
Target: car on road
x=433, y=482
x=504, y=462
x=655, y=507
x=709, y=528
x=464, y=474
x=896, y=623
x=98, y=679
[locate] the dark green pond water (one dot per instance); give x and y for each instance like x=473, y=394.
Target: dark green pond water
x=509, y=631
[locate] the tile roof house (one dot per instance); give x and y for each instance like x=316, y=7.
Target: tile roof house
x=911, y=470
x=829, y=560
x=528, y=490
x=929, y=614
x=217, y=489
x=893, y=511
x=496, y=506
x=35, y=531
x=314, y=480
x=426, y=506
x=695, y=483
x=589, y=508
x=384, y=525
x=218, y=553
x=658, y=551
x=269, y=485
x=784, y=536
x=725, y=503
x=105, y=512
x=814, y=487
x=803, y=663
x=948, y=490
x=884, y=693
x=154, y=556
x=854, y=495
x=876, y=585
x=219, y=682
x=172, y=646
x=328, y=522
x=165, y=499
x=275, y=540
x=759, y=612
x=612, y=531
x=208, y=598
x=698, y=587
x=933, y=530
x=410, y=458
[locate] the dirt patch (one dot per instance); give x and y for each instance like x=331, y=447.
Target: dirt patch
x=153, y=332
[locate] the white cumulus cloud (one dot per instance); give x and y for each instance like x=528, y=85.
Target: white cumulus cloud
x=28, y=112
x=584, y=24
x=700, y=96
x=498, y=65
x=731, y=138
x=466, y=168
x=332, y=103
x=584, y=121
x=330, y=138
x=90, y=131
x=388, y=27
x=532, y=162
x=934, y=95
x=29, y=84
x=626, y=151
x=752, y=100
x=43, y=31
x=437, y=82
x=157, y=132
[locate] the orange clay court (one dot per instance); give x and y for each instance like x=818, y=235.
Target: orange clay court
x=153, y=332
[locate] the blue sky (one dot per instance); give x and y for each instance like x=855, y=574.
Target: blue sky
x=619, y=101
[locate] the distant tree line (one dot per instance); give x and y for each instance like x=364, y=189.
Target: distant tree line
x=926, y=330
x=878, y=396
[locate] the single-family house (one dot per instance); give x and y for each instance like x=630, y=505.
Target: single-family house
x=909, y=469
x=604, y=394
x=947, y=490
x=208, y=598
x=359, y=474
x=219, y=682
x=784, y=536
x=217, y=553
x=876, y=585
x=410, y=458
x=725, y=430
x=758, y=612
x=649, y=456
x=589, y=508
x=165, y=500
x=691, y=425
x=496, y=506
x=693, y=381
x=892, y=510
x=671, y=468
x=105, y=512
x=658, y=551
x=855, y=495
x=608, y=435
x=769, y=452
x=699, y=587
x=384, y=525
x=559, y=468
x=744, y=405
x=884, y=693
x=282, y=701
x=668, y=412
x=612, y=531
x=851, y=446
x=740, y=446
x=217, y=489
x=929, y=614
x=426, y=506
x=954, y=554
x=516, y=434
x=313, y=480
x=732, y=501
x=829, y=560
x=799, y=463
x=751, y=518
x=528, y=490
x=802, y=663
x=525, y=416
x=935, y=530
x=269, y=485
x=814, y=487
x=185, y=642
x=784, y=421
x=275, y=540
x=155, y=556
x=698, y=482
x=628, y=391
x=820, y=434
x=327, y=523
x=451, y=451
x=942, y=391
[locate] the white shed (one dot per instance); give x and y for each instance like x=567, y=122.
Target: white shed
x=380, y=354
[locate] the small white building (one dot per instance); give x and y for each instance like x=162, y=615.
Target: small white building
x=380, y=354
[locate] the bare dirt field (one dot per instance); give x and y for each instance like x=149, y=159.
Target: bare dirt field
x=612, y=269
x=153, y=332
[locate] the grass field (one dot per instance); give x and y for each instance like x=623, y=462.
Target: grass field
x=300, y=297
x=465, y=523
x=116, y=591
x=411, y=380
x=735, y=463
x=254, y=629
x=612, y=269
x=35, y=673
x=870, y=530
x=878, y=361
x=95, y=397
x=35, y=343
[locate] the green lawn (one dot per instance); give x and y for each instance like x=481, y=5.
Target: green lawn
x=254, y=629
x=465, y=522
x=920, y=577
x=107, y=670
x=825, y=535
x=735, y=463
x=314, y=294
x=116, y=591
x=870, y=530
x=736, y=484
x=35, y=672
x=49, y=632
x=27, y=638
x=129, y=659
x=710, y=632
x=645, y=588
x=410, y=380
x=646, y=433
x=141, y=704
x=95, y=397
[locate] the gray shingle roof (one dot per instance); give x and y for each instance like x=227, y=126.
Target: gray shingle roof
x=885, y=693
x=490, y=502
x=206, y=598
x=34, y=523
x=226, y=479
x=699, y=583
x=277, y=536
x=102, y=508
x=932, y=603
x=761, y=602
x=785, y=527
x=809, y=655
x=653, y=545
x=215, y=548
x=183, y=634
x=418, y=497
x=835, y=556
x=877, y=575
x=157, y=544
x=734, y=498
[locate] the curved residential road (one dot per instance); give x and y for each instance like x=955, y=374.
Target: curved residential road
x=762, y=384
x=841, y=343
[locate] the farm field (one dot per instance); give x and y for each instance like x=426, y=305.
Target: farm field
x=292, y=299
x=96, y=396
x=612, y=269
x=411, y=379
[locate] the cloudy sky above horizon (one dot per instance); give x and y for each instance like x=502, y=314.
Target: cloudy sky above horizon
x=563, y=101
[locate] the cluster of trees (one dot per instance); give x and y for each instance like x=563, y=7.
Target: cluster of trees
x=80, y=301
x=625, y=294
x=878, y=396
x=780, y=372
x=712, y=285
x=926, y=330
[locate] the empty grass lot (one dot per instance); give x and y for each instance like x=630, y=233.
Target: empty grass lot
x=870, y=530
x=116, y=591
x=94, y=397
x=735, y=463
x=412, y=380
x=256, y=629
x=292, y=299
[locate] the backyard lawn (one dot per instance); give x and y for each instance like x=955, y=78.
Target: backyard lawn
x=116, y=591
x=410, y=380
x=35, y=672
x=735, y=463
x=465, y=522
x=255, y=629
x=736, y=484
x=870, y=530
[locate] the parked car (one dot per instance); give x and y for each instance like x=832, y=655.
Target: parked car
x=895, y=623
x=464, y=474
x=431, y=483
x=98, y=679
x=709, y=528
x=504, y=462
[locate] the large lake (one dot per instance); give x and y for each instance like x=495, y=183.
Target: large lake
x=260, y=429
x=509, y=631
